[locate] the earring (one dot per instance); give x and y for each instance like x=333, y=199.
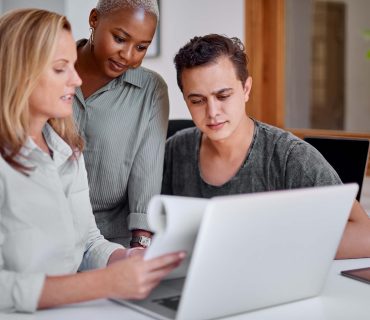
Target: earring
x=91, y=39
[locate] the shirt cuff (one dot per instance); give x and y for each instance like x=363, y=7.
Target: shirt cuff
x=98, y=256
x=27, y=291
x=138, y=221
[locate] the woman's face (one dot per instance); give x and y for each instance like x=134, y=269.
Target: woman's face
x=53, y=95
x=121, y=39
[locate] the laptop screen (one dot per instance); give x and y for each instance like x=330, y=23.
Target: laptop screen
x=347, y=156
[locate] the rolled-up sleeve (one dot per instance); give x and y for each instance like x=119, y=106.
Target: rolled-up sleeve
x=18, y=291
x=146, y=175
x=98, y=249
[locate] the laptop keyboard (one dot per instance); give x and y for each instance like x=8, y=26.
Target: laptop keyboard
x=170, y=302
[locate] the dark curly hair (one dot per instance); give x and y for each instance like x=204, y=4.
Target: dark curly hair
x=207, y=49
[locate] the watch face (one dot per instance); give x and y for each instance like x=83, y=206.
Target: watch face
x=144, y=241
x=141, y=240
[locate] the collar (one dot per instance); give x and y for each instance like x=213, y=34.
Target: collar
x=132, y=76
x=61, y=150
x=56, y=143
x=28, y=148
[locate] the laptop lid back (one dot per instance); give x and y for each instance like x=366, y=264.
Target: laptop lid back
x=260, y=250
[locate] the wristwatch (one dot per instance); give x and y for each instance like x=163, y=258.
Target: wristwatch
x=141, y=240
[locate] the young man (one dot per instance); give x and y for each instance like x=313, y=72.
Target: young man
x=228, y=152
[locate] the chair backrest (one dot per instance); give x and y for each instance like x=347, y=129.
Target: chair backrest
x=175, y=125
x=346, y=155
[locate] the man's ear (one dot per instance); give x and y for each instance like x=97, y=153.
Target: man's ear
x=247, y=88
x=93, y=18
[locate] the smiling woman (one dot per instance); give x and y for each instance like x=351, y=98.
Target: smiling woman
x=122, y=112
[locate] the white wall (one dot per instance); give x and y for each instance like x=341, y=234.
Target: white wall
x=298, y=63
x=78, y=12
x=53, y=5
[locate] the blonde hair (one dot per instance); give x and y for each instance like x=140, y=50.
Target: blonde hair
x=28, y=40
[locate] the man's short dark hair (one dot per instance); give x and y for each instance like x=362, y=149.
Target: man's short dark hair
x=208, y=49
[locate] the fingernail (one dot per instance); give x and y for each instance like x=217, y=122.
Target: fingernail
x=182, y=255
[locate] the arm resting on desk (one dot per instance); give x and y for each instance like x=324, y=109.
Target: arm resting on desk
x=131, y=278
x=355, y=242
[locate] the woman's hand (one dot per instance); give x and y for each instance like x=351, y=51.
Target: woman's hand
x=134, y=277
x=123, y=253
x=130, y=278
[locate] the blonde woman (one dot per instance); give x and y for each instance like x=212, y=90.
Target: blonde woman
x=47, y=229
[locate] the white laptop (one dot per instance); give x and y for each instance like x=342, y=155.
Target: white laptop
x=254, y=251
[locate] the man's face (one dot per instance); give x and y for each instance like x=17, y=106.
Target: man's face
x=216, y=98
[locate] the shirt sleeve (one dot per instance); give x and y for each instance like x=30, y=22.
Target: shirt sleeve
x=18, y=291
x=306, y=167
x=146, y=174
x=97, y=248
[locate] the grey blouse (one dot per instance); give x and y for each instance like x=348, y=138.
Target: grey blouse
x=124, y=125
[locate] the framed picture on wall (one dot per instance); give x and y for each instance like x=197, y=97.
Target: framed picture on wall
x=154, y=48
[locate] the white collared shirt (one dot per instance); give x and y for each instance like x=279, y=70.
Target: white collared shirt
x=46, y=223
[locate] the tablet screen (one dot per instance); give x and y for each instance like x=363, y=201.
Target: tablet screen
x=362, y=274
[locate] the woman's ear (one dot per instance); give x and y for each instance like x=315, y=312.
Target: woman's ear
x=93, y=18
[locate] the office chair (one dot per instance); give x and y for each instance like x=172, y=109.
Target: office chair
x=175, y=125
x=347, y=156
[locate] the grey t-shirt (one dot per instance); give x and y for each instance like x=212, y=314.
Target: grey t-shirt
x=276, y=160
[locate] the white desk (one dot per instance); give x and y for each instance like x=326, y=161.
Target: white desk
x=342, y=298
